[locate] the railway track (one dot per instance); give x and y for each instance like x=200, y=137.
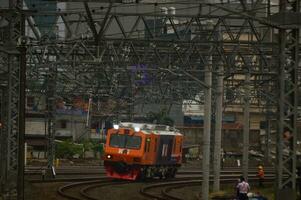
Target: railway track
x=82, y=188
x=101, y=171
x=88, y=177
x=89, y=173
x=166, y=188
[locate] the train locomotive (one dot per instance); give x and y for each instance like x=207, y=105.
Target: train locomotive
x=139, y=151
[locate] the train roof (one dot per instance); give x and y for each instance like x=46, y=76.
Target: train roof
x=151, y=128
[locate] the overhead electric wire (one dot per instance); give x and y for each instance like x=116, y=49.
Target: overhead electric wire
x=58, y=23
x=161, y=27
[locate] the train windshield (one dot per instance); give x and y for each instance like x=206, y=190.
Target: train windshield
x=125, y=141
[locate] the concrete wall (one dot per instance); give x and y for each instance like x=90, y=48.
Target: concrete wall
x=232, y=140
x=35, y=126
x=4, y=3
x=192, y=135
x=175, y=111
x=66, y=126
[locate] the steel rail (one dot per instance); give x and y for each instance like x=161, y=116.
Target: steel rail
x=167, y=195
x=102, y=172
x=62, y=190
x=65, y=179
x=168, y=186
x=84, y=191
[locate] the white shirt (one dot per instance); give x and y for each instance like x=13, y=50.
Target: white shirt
x=243, y=187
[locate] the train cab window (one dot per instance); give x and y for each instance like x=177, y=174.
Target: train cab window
x=133, y=142
x=117, y=140
x=125, y=141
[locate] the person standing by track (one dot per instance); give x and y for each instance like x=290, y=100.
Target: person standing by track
x=260, y=174
x=243, y=189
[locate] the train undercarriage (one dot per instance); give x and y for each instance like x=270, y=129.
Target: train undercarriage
x=121, y=170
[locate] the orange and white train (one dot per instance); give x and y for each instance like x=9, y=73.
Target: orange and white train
x=137, y=150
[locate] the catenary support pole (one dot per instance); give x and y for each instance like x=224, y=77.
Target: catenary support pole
x=207, y=130
x=22, y=96
x=267, y=139
x=3, y=140
x=218, y=129
x=246, y=129
x=289, y=44
x=51, y=85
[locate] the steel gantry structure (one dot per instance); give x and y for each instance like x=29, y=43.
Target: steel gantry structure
x=13, y=63
x=289, y=40
x=133, y=58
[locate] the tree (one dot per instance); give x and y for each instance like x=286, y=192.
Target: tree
x=160, y=117
x=67, y=149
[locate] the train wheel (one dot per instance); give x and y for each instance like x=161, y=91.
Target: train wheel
x=161, y=175
x=142, y=176
x=169, y=173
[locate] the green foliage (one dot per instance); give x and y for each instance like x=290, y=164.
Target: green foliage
x=97, y=147
x=92, y=145
x=160, y=117
x=87, y=145
x=67, y=149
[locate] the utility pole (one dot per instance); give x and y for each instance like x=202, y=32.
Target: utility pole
x=218, y=128
x=246, y=128
x=267, y=137
x=3, y=139
x=207, y=130
x=51, y=87
x=218, y=121
x=22, y=95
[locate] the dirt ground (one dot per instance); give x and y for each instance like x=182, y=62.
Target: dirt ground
x=48, y=191
x=45, y=191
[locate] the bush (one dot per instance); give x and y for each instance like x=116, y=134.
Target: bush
x=92, y=145
x=67, y=149
x=97, y=147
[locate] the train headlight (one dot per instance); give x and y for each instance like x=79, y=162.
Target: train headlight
x=137, y=129
x=109, y=156
x=116, y=126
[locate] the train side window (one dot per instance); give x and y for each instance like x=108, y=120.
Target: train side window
x=155, y=148
x=174, y=145
x=147, y=145
x=181, y=147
